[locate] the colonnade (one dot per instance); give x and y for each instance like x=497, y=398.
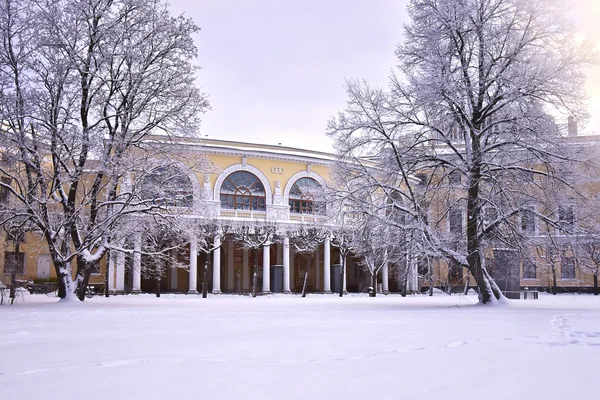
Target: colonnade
x=117, y=268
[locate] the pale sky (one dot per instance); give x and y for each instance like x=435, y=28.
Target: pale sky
x=275, y=69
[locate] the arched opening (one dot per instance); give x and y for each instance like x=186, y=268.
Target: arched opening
x=306, y=197
x=168, y=186
x=242, y=190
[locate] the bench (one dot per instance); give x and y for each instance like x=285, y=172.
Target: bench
x=523, y=294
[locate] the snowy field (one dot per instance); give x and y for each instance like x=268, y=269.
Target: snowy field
x=286, y=347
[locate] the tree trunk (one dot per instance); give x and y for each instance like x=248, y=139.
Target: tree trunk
x=205, y=277
x=482, y=287
x=374, y=284
x=84, y=270
x=13, y=286
x=467, y=281
x=107, y=275
x=553, y=279
x=255, y=273
x=596, y=284
x=62, y=289
x=66, y=285
x=306, y=272
x=342, y=276
x=158, y=278
x=474, y=245
x=404, y=283
x=430, y=273
x=13, y=276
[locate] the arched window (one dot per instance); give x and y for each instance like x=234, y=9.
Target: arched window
x=168, y=186
x=242, y=190
x=304, y=197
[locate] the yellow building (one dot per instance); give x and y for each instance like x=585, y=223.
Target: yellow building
x=256, y=182
x=253, y=182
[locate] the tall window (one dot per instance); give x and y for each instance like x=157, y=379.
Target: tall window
x=566, y=218
x=168, y=186
x=529, y=269
x=242, y=190
x=455, y=218
x=528, y=221
x=4, y=192
x=14, y=261
x=304, y=197
x=567, y=268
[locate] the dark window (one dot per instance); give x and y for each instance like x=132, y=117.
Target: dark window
x=529, y=269
x=528, y=221
x=242, y=190
x=456, y=220
x=14, y=261
x=4, y=192
x=168, y=186
x=566, y=218
x=567, y=268
x=304, y=197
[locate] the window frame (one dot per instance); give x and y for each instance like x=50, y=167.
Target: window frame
x=453, y=211
x=527, y=271
x=21, y=269
x=243, y=196
x=534, y=231
x=570, y=225
x=572, y=265
x=305, y=204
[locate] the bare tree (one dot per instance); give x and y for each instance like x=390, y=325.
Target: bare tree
x=373, y=246
x=306, y=241
x=14, y=261
x=587, y=251
x=83, y=85
x=468, y=113
x=343, y=238
x=253, y=238
x=549, y=251
x=209, y=236
x=161, y=245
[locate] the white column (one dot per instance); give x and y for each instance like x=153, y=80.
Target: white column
x=174, y=271
x=413, y=276
x=245, y=271
x=266, y=288
x=327, y=266
x=111, y=272
x=286, y=265
x=345, y=272
x=120, y=285
x=193, y=283
x=216, y=288
x=384, y=279
x=317, y=266
x=292, y=270
x=136, y=286
x=230, y=271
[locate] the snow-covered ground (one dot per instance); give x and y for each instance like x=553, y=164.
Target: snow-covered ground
x=286, y=347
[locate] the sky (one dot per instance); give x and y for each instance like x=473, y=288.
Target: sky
x=275, y=70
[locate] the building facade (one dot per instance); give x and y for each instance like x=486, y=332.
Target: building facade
x=265, y=183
